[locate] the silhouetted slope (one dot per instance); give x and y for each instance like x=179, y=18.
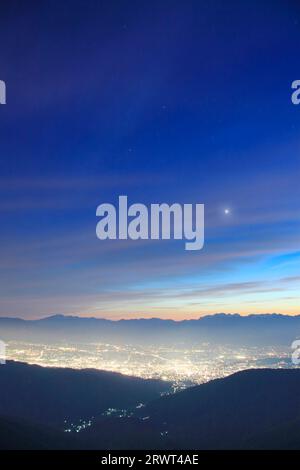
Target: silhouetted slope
x=231, y=412
x=19, y=435
x=284, y=436
x=50, y=395
x=252, y=409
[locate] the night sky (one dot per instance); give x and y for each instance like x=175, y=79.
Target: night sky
x=164, y=101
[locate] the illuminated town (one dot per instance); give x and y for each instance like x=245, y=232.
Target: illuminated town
x=181, y=367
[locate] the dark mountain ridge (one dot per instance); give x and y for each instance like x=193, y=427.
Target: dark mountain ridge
x=253, y=409
x=48, y=396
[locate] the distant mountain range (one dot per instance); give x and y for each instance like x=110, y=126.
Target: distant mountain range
x=268, y=329
x=253, y=409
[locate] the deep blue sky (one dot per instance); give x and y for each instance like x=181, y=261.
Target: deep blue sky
x=165, y=101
